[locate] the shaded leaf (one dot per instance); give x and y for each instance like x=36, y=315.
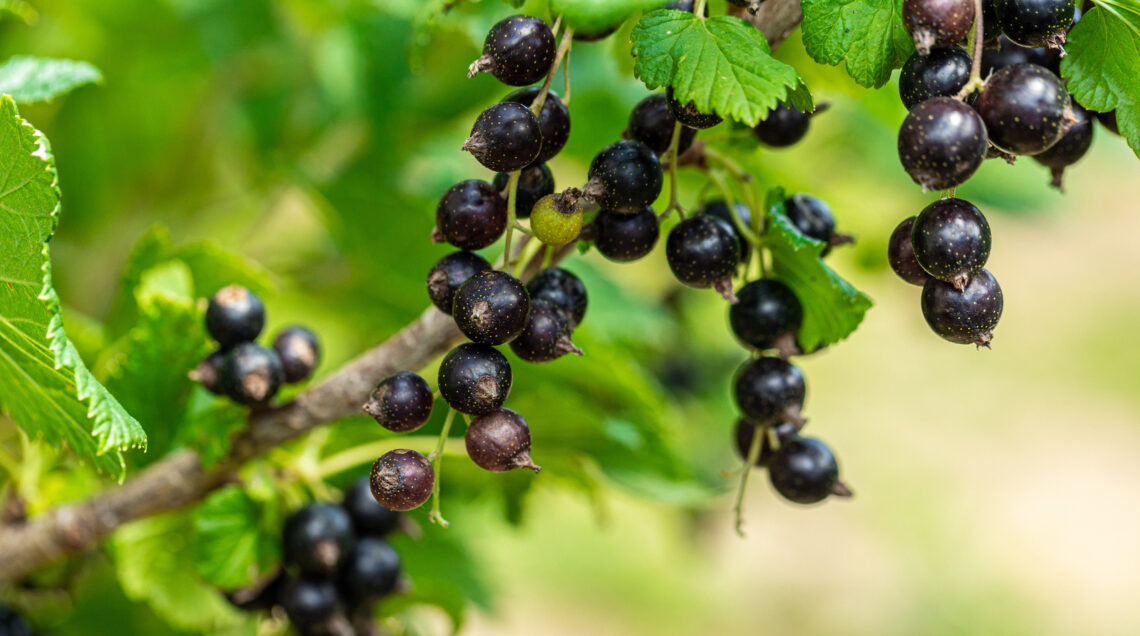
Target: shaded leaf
x=36, y=79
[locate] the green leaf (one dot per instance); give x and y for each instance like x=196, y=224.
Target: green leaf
x=1103, y=49
x=208, y=425
x=868, y=34
x=36, y=79
x=722, y=64
x=44, y=385
x=594, y=16
x=22, y=10
x=233, y=546
x=833, y=308
x=442, y=573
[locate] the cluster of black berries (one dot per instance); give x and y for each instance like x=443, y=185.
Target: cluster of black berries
x=243, y=370
x=338, y=566
x=13, y=624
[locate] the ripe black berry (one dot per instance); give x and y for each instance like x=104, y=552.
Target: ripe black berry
x=652, y=123
x=401, y=403
x=402, y=480
x=626, y=237
x=1009, y=53
x=251, y=374
x=546, y=336
x=1070, y=148
x=900, y=254
x=951, y=240
x=1035, y=22
x=942, y=73
x=299, y=350
x=535, y=182
x=812, y=217
x=719, y=209
x=766, y=311
x=770, y=390
x=967, y=316
x=745, y=433
x=783, y=126
x=500, y=441
x=316, y=539
x=702, y=252
x=235, y=315
x=471, y=215
x=553, y=120
x=208, y=372
x=474, y=379
x=686, y=5
x=803, y=470
x=689, y=115
x=941, y=143
x=491, y=308
x=505, y=137
x=310, y=602
x=1026, y=109
x=371, y=570
x=262, y=596
x=449, y=274
x=625, y=177
x=518, y=51
x=563, y=290
x=934, y=23
x=1108, y=120
x=369, y=518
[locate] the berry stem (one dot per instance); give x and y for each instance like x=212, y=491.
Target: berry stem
x=563, y=49
x=730, y=201
x=566, y=80
x=522, y=228
x=528, y=253
x=548, y=258
x=436, y=458
x=753, y=454
x=674, y=204
x=979, y=41
x=367, y=453
x=512, y=202
x=737, y=171
x=699, y=10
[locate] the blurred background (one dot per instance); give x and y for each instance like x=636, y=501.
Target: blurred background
x=997, y=492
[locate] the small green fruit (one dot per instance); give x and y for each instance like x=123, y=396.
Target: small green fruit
x=556, y=219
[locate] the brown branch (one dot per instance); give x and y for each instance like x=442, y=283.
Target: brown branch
x=179, y=479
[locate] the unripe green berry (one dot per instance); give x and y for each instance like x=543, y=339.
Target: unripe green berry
x=556, y=219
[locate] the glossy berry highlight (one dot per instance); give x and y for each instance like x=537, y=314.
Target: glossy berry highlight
x=491, y=308
x=300, y=352
x=234, y=315
x=941, y=143
x=474, y=379
x=937, y=23
x=626, y=237
x=942, y=73
x=310, y=602
x=553, y=120
x=402, y=480
x=251, y=374
x=963, y=316
x=652, y=123
x=517, y=51
x=951, y=240
x=500, y=441
x=317, y=538
x=900, y=255
x=625, y=177
x=813, y=217
x=766, y=312
x=1026, y=109
x=1035, y=22
x=449, y=274
x=535, y=182
x=804, y=470
x=562, y=289
x=470, y=215
x=546, y=336
x=506, y=137
x=401, y=403
x=703, y=252
x=770, y=390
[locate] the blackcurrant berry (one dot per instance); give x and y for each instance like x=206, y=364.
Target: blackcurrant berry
x=1035, y=22
x=535, y=182
x=209, y=371
x=703, y=252
x=770, y=390
x=1108, y=120
x=689, y=115
x=449, y=274
x=766, y=312
x=900, y=254
x=316, y=539
x=491, y=307
x=1070, y=148
x=1026, y=109
x=546, y=336
x=518, y=51
x=942, y=73
x=506, y=137
x=557, y=219
x=745, y=432
x=625, y=177
x=652, y=123
x=783, y=126
x=812, y=216
x=687, y=5
x=251, y=374
x=719, y=209
x=951, y=240
x=471, y=215
x=940, y=23
x=553, y=120
x=1009, y=53
x=474, y=379
x=371, y=570
x=563, y=290
x=369, y=518
x=941, y=143
x=803, y=470
x=626, y=237
x=309, y=602
x=500, y=441
x=401, y=403
x=402, y=480
x=963, y=316
x=299, y=350
x=235, y=315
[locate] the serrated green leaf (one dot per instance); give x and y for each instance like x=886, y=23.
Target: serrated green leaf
x=1101, y=66
x=36, y=79
x=44, y=385
x=232, y=546
x=868, y=34
x=593, y=16
x=721, y=64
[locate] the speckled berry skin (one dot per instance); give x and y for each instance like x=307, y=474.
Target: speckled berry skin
x=299, y=350
x=1070, y=148
x=768, y=390
x=782, y=127
x=744, y=434
x=251, y=374
x=900, y=254
x=235, y=315
x=937, y=23
x=689, y=115
x=651, y=122
x=1035, y=22
x=520, y=49
x=449, y=274
x=553, y=120
x=803, y=470
x=471, y=215
x=765, y=310
x=951, y=240
x=1008, y=53
x=719, y=209
x=506, y=137
x=941, y=143
x=535, y=182
x=402, y=480
x=317, y=538
x=474, y=379
x=546, y=336
x=942, y=73
x=309, y=602
x=369, y=518
x=963, y=317
x=401, y=403
x=562, y=289
x=491, y=308
x=626, y=237
x=1025, y=108
x=552, y=225
x=371, y=571
x=812, y=216
x=500, y=441
x=629, y=176
x=701, y=251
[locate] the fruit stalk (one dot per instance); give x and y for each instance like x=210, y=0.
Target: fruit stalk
x=975, y=81
x=753, y=454
x=436, y=458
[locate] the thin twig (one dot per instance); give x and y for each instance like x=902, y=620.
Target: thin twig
x=435, y=516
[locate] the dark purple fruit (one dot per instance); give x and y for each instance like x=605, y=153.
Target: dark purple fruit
x=560, y=288
x=967, y=316
x=261, y=596
x=1071, y=148
x=491, y=308
x=1108, y=120
x=251, y=374
x=719, y=209
x=471, y=215
x=783, y=126
x=812, y=217
x=626, y=237
x=625, y=177
x=804, y=470
x=546, y=336
x=687, y=5
x=937, y=23
x=1009, y=53
x=449, y=274
x=235, y=315
x=702, y=252
x=474, y=379
x=652, y=123
x=900, y=254
x=745, y=433
x=766, y=311
x=518, y=51
x=506, y=137
x=951, y=240
x=942, y=73
x=371, y=570
x=209, y=371
x=402, y=480
x=535, y=182
x=299, y=350
x=317, y=538
x=770, y=390
x=401, y=403
x=369, y=518
x=1026, y=109
x=689, y=115
x=500, y=441
x=553, y=120
x=309, y=602
x=941, y=143
x=1035, y=22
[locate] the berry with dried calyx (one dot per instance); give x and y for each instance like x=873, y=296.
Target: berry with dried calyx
x=965, y=316
x=625, y=177
x=402, y=480
x=317, y=538
x=557, y=219
x=235, y=315
x=688, y=113
x=1036, y=22
x=703, y=252
x=1070, y=148
x=535, y=182
x=562, y=289
x=941, y=143
x=900, y=254
x=770, y=390
x=652, y=123
x=251, y=374
x=937, y=23
x=942, y=73
x=951, y=240
x=783, y=126
x=767, y=314
x=553, y=120
x=626, y=237
x=500, y=441
x=369, y=518
x=208, y=372
x=474, y=379
x=517, y=51
x=470, y=215
x=449, y=274
x=299, y=350
x=506, y=137
x=491, y=308
x=546, y=336
x=401, y=403
x=804, y=471
x=1026, y=109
